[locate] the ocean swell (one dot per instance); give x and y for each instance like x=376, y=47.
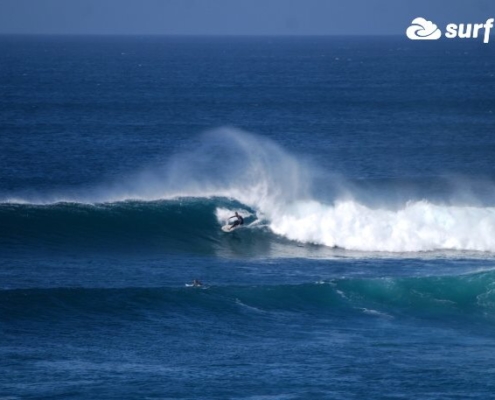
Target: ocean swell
x=471, y=295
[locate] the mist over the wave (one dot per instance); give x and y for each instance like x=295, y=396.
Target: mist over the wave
x=225, y=162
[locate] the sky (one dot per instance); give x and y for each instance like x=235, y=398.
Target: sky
x=233, y=17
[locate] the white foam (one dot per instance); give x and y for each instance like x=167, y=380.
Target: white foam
x=419, y=226
x=376, y=313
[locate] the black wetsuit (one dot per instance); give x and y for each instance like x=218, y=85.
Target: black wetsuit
x=239, y=221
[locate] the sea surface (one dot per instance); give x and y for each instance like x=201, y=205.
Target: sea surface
x=363, y=166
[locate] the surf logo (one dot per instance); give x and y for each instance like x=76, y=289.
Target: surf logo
x=421, y=29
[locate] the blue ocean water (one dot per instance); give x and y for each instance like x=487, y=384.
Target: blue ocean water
x=363, y=168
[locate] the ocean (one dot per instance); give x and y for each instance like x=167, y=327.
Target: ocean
x=363, y=167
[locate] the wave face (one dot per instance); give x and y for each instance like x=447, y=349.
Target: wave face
x=190, y=196
x=185, y=225
x=470, y=295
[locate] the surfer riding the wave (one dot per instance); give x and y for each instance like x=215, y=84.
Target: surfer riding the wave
x=238, y=221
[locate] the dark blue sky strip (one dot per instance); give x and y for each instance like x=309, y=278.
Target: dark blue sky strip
x=233, y=17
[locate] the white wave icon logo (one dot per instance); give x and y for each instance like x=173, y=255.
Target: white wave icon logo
x=421, y=29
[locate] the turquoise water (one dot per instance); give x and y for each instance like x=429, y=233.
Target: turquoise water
x=363, y=168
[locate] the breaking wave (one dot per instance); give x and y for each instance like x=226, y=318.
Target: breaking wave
x=283, y=196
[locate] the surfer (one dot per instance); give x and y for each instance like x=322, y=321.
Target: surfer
x=239, y=220
x=197, y=283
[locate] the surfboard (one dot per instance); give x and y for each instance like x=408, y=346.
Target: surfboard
x=226, y=228
x=190, y=285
